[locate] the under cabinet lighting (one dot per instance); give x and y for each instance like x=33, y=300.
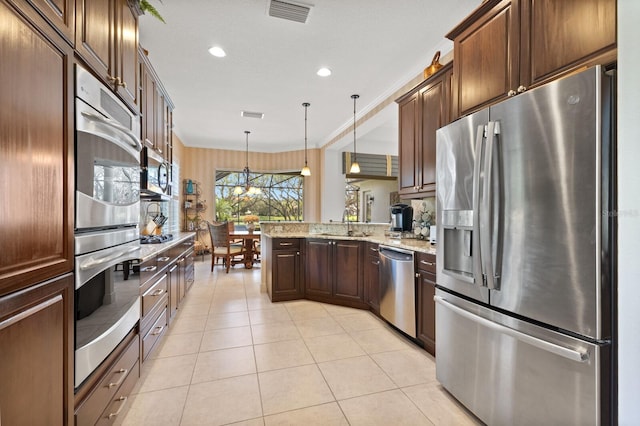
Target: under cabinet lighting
x=324, y=72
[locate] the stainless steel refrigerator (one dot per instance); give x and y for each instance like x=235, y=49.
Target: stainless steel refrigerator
x=525, y=258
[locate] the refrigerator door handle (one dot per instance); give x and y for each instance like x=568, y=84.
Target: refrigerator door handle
x=562, y=351
x=475, y=237
x=487, y=214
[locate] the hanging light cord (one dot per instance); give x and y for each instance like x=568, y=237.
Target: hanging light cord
x=355, y=151
x=305, y=105
x=246, y=167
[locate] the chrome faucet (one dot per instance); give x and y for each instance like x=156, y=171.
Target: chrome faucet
x=345, y=218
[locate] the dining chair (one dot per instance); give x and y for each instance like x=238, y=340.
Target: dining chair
x=222, y=247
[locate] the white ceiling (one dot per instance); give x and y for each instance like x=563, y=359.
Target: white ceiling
x=373, y=47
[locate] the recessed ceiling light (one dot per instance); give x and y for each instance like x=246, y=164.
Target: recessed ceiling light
x=324, y=72
x=217, y=52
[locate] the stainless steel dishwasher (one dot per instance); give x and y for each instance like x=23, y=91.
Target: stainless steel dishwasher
x=398, y=288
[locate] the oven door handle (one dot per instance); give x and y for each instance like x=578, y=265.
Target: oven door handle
x=92, y=262
x=112, y=123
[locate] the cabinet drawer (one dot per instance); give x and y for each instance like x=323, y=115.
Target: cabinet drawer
x=372, y=249
x=123, y=370
x=154, y=334
x=154, y=295
x=286, y=243
x=426, y=262
x=148, y=269
x=119, y=400
x=164, y=259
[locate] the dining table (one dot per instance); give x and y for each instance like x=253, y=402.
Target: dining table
x=247, y=237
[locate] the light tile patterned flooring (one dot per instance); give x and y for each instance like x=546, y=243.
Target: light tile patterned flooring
x=233, y=357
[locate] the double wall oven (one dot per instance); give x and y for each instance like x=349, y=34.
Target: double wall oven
x=107, y=210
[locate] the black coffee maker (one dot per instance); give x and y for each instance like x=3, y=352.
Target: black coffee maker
x=401, y=217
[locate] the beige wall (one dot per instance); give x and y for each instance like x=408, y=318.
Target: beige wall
x=200, y=165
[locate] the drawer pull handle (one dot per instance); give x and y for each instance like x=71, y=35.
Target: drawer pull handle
x=122, y=399
x=375, y=250
x=286, y=244
x=158, y=330
x=122, y=371
x=158, y=292
x=149, y=269
x=377, y=262
x=427, y=263
x=163, y=258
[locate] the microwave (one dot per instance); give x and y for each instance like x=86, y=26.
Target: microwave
x=155, y=176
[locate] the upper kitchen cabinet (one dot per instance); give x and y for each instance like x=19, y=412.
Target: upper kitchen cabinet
x=507, y=46
x=157, y=110
x=61, y=14
x=36, y=151
x=422, y=111
x=107, y=40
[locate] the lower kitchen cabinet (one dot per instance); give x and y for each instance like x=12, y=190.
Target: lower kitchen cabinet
x=283, y=268
x=175, y=289
x=426, y=327
x=372, y=277
x=36, y=354
x=333, y=272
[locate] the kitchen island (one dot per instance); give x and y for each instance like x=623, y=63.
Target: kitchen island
x=339, y=263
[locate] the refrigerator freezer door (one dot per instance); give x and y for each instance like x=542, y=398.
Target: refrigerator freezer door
x=549, y=161
x=508, y=372
x=458, y=152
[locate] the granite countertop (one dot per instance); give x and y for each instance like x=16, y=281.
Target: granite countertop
x=148, y=251
x=406, y=243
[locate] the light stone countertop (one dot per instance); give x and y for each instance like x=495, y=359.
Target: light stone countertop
x=374, y=233
x=148, y=251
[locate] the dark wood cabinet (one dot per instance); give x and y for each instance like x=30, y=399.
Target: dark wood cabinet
x=187, y=268
x=334, y=271
x=164, y=280
x=507, y=46
x=408, y=144
x=426, y=321
x=157, y=110
x=372, y=277
x=36, y=354
x=175, y=289
x=36, y=151
x=318, y=276
x=61, y=14
x=283, y=263
x=422, y=111
x=107, y=40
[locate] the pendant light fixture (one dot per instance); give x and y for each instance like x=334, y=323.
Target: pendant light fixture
x=306, y=171
x=355, y=167
x=248, y=189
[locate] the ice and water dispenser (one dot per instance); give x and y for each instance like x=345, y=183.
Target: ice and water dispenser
x=457, y=235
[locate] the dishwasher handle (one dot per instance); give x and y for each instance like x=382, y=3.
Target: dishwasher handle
x=396, y=254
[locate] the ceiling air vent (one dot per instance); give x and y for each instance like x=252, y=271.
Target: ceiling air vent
x=250, y=114
x=290, y=11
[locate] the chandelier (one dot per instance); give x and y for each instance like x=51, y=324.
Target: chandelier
x=248, y=189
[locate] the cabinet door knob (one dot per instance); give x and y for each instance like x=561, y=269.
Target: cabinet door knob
x=511, y=93
x=521, y=89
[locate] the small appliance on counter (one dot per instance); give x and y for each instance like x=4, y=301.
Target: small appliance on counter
x=401, y=217
x=432, y=234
